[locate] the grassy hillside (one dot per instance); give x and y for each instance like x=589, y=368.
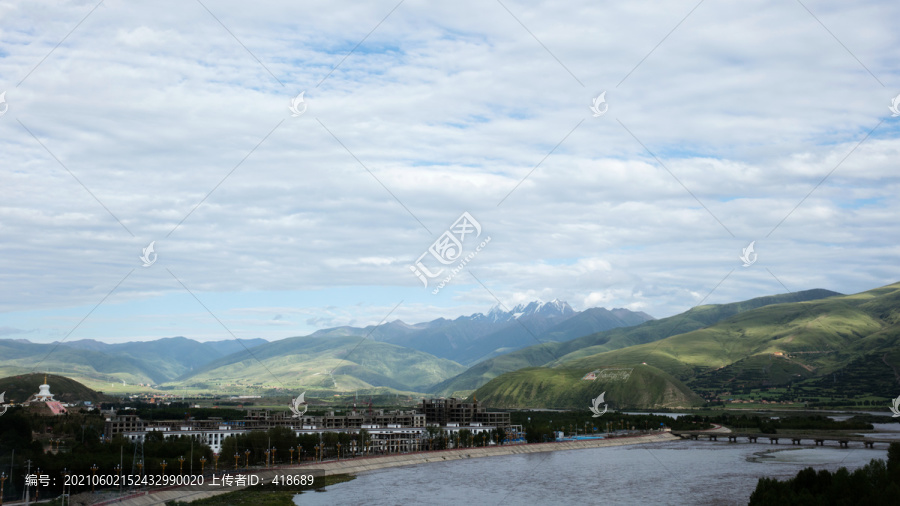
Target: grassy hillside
x=555, y=353
x=19, y=388
x=643, y=387
x=846, y=345
x=308, y=362
x=98, y=364
x=84, y=365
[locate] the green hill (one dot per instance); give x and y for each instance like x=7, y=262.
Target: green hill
x=96, y=363
x=20, y=388
x=540, y=387
x=846, y=345
x=818, y=336
x=553, y=353
x=20, y=357
x=335, y=363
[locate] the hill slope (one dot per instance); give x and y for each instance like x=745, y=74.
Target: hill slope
x=96, y=362
x=849, y=344
x=816, y=335
x=647, y=332
x=334, y=363
x=538, y=387
x=20, y=388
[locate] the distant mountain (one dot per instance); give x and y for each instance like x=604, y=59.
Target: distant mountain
x=229, y=346
x=552, y=309
x=399, y=355
x=132, y=362
x=409, y=357
x=550, y=353
x=469, y=339
x=535, y=330
x=340, y=363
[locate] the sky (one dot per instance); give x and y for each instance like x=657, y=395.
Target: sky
x=443, y=158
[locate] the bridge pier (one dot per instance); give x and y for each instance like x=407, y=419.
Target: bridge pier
x=796, y=438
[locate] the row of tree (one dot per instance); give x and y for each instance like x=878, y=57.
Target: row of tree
x=251, y=447
x=78, y=447
x=877, y=483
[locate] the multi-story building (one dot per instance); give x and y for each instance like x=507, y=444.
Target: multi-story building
x=394, y=431
x=121, y=424
x=452, y=410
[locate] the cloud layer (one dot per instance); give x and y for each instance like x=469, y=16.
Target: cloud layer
x=169, y=122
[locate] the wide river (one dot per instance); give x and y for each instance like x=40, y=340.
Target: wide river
x=677, y=472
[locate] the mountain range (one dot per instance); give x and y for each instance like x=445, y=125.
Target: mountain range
x=134, y=362
x=812, y=343
x=394, y=355
x=470, y=339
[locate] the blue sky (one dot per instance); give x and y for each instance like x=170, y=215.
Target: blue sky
x=726, y=124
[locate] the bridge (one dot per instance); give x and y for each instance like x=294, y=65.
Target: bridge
x=796, y=439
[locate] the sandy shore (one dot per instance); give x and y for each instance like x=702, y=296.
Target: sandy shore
x=360, y=465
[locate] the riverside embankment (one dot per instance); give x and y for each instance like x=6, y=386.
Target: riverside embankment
x=373, y=463
x=360, y=465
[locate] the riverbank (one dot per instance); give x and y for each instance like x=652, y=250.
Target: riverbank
x=355, y=466
x=361, y=465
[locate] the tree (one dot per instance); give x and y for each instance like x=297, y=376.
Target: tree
x=876, y=483
x=432, y=431
x=465, y=438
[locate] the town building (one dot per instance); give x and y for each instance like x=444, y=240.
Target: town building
x=454, y=411
x=389, y=431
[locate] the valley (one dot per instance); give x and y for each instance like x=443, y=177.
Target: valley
x=815, y=348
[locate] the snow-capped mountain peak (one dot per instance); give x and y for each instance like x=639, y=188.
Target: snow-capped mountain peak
x=552, y=309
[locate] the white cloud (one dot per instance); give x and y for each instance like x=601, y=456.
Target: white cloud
x=450, y=108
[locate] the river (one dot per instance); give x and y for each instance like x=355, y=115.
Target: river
x=678, y=472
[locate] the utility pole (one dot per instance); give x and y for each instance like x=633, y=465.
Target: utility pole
x=121, y=461
x=12, y=462
x=27, y=498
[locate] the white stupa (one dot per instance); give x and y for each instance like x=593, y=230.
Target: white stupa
x=44, y=394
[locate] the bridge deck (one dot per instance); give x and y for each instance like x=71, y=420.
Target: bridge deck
x=796, y=438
